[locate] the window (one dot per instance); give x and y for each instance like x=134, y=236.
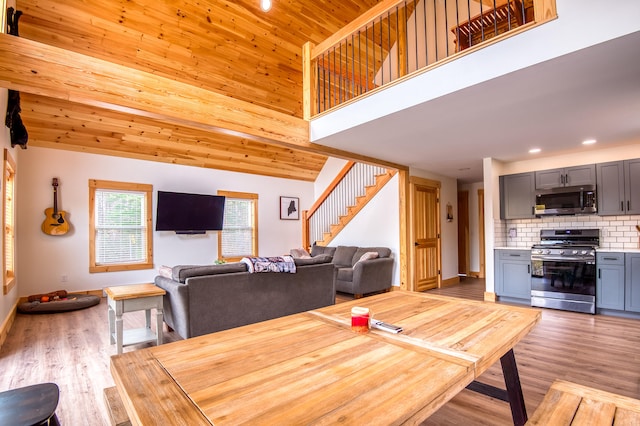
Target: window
x=8, y=222
x=239, y=236
x=120, y=232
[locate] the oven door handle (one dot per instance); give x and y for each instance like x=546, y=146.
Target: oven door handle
x=564, y=259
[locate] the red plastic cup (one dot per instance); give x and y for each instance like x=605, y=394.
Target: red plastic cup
x=360, y=319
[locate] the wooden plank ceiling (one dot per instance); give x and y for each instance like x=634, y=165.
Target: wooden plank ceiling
x=229, y=56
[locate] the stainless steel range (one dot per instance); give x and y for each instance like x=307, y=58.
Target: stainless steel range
x=563, y=270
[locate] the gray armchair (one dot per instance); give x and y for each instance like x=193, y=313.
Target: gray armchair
x=356, y=275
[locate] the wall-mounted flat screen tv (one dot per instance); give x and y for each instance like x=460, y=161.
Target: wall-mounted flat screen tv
x=189, y=213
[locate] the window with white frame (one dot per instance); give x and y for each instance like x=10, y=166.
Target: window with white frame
x=239, y=236
x=120, y=232
x=9, y=222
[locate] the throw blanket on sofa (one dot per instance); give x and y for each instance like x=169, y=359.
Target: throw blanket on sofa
x=270, y=264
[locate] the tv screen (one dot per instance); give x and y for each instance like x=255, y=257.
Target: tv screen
x=189, y=213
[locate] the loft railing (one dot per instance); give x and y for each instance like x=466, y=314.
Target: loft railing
x=333, y=207
x=397, y=38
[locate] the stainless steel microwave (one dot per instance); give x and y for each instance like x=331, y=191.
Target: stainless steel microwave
x=566, y=201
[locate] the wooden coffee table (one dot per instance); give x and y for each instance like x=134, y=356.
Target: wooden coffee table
x=130, y=298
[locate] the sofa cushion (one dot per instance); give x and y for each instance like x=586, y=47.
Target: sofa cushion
x=299, y=253
x=368, y=256
x=317, y=250
x=344, y=255
x=382, y=252
x=345, y=274
x=321, y=258
x=182, y=272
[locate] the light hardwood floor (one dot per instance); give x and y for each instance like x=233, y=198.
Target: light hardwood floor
x=73, y=350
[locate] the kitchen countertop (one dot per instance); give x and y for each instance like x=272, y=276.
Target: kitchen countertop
x=599, y=250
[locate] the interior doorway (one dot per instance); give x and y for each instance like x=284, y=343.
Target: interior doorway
x=481, y=236
x=463, y=233
x=425, y=233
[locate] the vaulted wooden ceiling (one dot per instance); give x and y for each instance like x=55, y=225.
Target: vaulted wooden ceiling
x=227, y=53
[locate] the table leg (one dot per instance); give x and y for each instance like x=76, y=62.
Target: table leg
x=119, y=332
x=147, y=317
x=112, y=324
x=159, y=316
x=514, y=389
x=513, y=394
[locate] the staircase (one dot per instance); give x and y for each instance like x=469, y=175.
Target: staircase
x=350, y=191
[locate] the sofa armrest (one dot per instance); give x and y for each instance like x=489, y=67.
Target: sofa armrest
x=175, y=304
x=373, y=275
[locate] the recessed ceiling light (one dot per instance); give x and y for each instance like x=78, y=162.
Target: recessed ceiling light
x=588, y=142
x=265, y=5
x=534, y=150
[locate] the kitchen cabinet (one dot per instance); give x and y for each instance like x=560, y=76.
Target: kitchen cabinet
x=513, y=274
x=568, y=176
x=632, y=282
x=517, y=196
x=610, y=281
x=618, y=187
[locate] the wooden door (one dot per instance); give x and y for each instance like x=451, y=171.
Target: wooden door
x=463, y=233
x=426, y=234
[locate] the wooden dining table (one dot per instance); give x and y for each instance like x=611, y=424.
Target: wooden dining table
x=311, y=368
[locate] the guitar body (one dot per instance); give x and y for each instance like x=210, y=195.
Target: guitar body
x=55, y=222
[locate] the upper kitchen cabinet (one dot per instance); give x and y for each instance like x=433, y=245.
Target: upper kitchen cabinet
x=569, y=176
x=517, y=196
x=618, y=187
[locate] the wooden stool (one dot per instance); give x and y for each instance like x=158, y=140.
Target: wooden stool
x=568, y=403
x=30, y=405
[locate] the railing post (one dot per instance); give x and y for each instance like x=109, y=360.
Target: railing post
x=309, y=78
x=544, y=10
x=305, y=230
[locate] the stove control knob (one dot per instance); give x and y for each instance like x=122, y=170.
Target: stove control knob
x=585, y=251
x=576, y=252
x=547, y=252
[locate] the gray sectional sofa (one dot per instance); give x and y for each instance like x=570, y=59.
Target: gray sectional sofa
x=356, y=275
x=205, y=299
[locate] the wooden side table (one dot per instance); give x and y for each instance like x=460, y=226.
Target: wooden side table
x=130, y=298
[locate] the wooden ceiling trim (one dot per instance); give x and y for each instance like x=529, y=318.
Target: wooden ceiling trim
x=72, y=125
x=37, y=68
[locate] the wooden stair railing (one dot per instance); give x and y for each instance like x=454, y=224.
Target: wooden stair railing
x=337, y=219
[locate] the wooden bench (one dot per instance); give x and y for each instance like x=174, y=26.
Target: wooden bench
x=117, y=413
x=568, y=403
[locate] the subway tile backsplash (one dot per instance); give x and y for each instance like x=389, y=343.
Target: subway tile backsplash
x=616, y=232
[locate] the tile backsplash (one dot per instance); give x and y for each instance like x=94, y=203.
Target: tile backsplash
x=616, y=232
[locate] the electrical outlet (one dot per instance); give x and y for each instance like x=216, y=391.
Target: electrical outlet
x=64, y=278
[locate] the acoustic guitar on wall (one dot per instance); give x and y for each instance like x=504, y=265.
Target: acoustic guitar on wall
x=55, y=222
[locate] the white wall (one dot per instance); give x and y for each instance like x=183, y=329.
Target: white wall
x=44, y=259
x=377, y=224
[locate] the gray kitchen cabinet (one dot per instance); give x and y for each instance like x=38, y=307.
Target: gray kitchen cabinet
x=568, y=176
x=632, y=282
x=513, y=274
x=517, y=196
x=618, y=187
x=610, y=281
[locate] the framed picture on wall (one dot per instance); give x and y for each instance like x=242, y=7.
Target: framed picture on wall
x=289, y=208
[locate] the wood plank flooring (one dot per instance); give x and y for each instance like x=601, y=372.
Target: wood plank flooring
x=73, y=350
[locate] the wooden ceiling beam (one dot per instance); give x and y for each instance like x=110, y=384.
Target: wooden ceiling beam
x=37, y=68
